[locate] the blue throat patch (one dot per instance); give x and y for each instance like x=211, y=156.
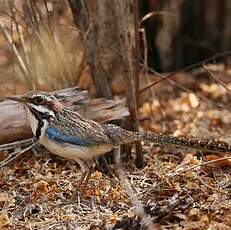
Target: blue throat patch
x=58, y=136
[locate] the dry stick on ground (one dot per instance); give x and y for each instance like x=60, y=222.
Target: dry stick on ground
x=146, y=221
x=213, y=188
x=16, y=154
x=17, y=144
x=198, y=165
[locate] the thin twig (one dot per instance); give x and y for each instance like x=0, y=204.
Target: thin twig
x=12, y=157
x=212, y=188
x=18, y=56
x=146, y=221
x=199, y=165
x=16, y=144
x=156, y=13
x=184, y=69
x=211, y=74
x=220, y=106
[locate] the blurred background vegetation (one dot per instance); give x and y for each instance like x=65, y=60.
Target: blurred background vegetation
x=41, y=48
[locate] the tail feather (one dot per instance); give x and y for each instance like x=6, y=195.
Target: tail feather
x=187, y=142
x=121, y=136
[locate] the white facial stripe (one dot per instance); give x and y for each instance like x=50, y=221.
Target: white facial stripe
x=32, y=120
x=42, y=109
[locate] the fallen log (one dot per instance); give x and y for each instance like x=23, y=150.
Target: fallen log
x=14, y=125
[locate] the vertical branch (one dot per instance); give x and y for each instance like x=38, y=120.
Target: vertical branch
x=107, y=26
x=139, y=155
x=91, y=38
x=137, y=47
x=130, y=69
x=227, y=29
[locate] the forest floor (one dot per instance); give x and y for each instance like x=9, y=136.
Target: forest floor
x=172, y=191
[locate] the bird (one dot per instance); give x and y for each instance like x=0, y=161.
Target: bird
x=67, y=133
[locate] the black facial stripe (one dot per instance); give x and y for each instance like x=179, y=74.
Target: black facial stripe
x=38, y=130
x=39, y=116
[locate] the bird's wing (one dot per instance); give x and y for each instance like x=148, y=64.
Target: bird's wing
x=58, y=135
x=77, y=130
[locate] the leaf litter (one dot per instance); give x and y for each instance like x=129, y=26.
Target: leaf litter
x=175, y=188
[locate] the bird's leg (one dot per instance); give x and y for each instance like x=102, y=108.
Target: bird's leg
x=84, y=168
x=91, y=166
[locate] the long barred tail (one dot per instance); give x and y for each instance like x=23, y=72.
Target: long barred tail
x=187, y=142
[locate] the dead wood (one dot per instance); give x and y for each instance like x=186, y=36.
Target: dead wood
x=91, y=18
x=108, y=39
x=14, y=124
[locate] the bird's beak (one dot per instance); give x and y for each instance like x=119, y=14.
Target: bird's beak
x=20, y=99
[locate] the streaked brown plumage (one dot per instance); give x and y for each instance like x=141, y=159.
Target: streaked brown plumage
x=68, y=134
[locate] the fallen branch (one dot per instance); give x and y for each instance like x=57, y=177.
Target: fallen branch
x=178, y=172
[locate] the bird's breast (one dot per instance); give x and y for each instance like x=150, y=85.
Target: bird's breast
x=65, y=149
x=74, y=152
x=71, y=151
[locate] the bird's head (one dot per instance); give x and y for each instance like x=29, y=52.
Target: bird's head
x=42, y=105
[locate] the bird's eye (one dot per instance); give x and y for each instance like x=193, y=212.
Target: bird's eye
x=38, y=99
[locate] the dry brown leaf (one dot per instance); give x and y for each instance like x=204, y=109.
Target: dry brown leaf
x=4, y=219
x=41, y=186
x=113, y=219
x=194, y=100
